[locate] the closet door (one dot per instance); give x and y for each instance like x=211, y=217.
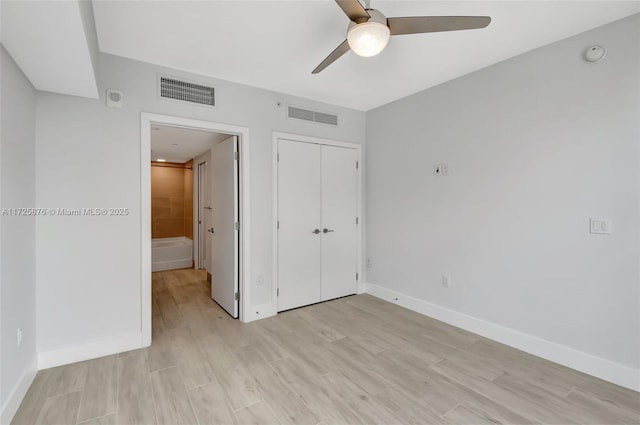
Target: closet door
x=299, y=233
x=339, y=210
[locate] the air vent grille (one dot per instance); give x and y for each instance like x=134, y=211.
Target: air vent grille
x=304, y=114
x=325, y=118
x=188, y=92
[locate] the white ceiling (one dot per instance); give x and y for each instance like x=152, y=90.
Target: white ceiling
x=275, y=44
x=54, y=43
x=177, y=144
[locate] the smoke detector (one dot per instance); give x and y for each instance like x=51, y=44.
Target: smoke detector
x=594, y=54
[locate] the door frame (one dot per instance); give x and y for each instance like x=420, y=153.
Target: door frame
x=198, y=238
x=146, y=120
x=361, y=288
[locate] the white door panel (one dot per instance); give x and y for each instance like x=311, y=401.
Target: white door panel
x=223, y=256
x=299, y=209
x=339, y=210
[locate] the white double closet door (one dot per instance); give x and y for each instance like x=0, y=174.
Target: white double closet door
x=317, y=223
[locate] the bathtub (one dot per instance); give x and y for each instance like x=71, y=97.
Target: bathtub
x=171, y=253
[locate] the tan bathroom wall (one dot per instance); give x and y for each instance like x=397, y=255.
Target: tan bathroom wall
x=169, y=198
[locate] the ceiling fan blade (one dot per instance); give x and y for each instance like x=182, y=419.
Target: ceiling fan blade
x=354, y=10
x=333, y=56
x=422, y=24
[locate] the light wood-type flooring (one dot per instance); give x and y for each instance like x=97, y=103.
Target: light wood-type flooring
x=355, y=360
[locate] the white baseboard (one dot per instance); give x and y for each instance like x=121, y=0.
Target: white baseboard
x=584, y=362
x=258, y=312
x=15, y=397
x=91, y=350
x=362, y=288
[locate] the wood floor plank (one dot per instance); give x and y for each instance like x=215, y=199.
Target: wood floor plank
x=353, y=363
x=135, y=395
x=257, y=414
x=370, y=411
x=605, y=391
x=60, y=410
x=286, y=404
x=416, y=380
x=211, y=406
x=171, y=315
x=33, y=401
x=190, y=359
x=268, y=347
x=307, y=348
x=99, y=397
x=354, y=360
x=462, y=415
x=172, y=403
x=408, y=410
x=500, y=393
x=325, y=404
x=240, y=387
x=600, y=411
x=66, y=379
x=160, y=354
x=111, y=419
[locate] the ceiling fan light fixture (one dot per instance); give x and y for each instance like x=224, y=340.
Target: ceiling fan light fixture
x=368, y=38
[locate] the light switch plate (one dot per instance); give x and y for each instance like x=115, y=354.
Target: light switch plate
x=441, y=169
x=600, y=226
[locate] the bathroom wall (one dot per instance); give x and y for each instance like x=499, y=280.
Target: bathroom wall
x=188, y=199
x=171, y=200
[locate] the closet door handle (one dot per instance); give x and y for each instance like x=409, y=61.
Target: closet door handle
x=315, y=232
x=325, y=230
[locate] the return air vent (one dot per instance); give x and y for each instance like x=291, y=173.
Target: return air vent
x=303, y=114
x=187, y=92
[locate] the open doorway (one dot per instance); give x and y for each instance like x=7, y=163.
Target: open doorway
x=201, y=213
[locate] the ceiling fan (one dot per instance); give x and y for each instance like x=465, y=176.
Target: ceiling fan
x=369, y=30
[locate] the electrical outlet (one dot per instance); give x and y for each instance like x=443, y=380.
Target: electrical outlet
x=18, y=337
x=369, y=265
x=446, y=281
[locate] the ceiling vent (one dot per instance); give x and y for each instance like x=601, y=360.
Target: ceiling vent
x=187, y=92
x=304, y=114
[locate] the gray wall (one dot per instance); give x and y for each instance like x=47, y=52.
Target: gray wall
x=88, y=268
x=535, y=146
x=17, y=234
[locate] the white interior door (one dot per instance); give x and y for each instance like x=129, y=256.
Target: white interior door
x=204, y=217
x=299, y=221
x=224, y=250
x=339, y=228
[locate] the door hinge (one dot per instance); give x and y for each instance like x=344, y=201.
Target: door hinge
x=236, y=296
x=278, y=225
x=356, y=220
x=357, y=164
x=236, y=155
x=278, y=157
x=277, y=292
x=356, y=276
x=237, y=225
